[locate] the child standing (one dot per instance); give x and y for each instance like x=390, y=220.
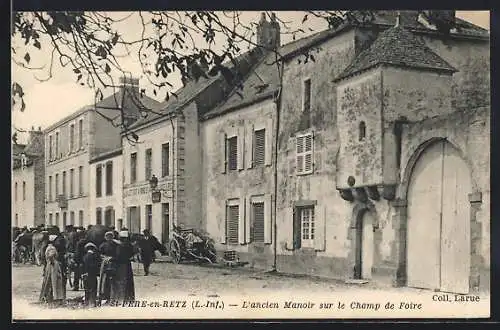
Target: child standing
x=90, y=273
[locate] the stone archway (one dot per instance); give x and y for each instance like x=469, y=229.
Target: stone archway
x=363, y=234
x=437, y=214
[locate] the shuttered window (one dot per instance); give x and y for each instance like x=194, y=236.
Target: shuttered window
x=98, y=216
x=165, y=155
x=64, y=184
x=259, y=152
x=98, y=181
x=257, y=230
x=232, y=224
x=133, y=167
x=109, y=178
x=304, y=154
x=232, y=152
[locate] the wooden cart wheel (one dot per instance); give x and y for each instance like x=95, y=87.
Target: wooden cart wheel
x=175, y=251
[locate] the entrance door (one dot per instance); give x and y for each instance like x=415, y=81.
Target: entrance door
x=438, y=236
x=367, y=245
x=165, y=231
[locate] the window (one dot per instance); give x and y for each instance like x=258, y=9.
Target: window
x=71, y=180
x=64, y=220
x=307, y=95
x=98, y=180
x=362, y=131
x=257, y=228
x=57, y=145
x=147, y=165
x=80, y=180
x=80, y=134
x=72, y=218
x=109, y=178
x=232, y=224
x=51, y=154
x=15, y=191
x=98, y=216
x=306, y=216
x=232, y=152
x=259, y=151
x=133, y=167
x=71, y=137
x=64, y=184
x=80, y=218
x=57, y=219
x=50, y=219
x=149, y=216
x=57, y=185
x=304, y=154
x=108, y=217
x=165, y=211
x=24, y=190
x=50, y=188
x=165, y=159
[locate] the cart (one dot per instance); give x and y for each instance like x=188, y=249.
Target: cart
x=188, y=245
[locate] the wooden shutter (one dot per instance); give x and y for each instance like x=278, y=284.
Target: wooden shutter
x=223, y=152
x=259, y=152
x=300, y=154
x=250, y=146
x=258, y=218
x=269, y=142
x=320, y=228
x=248, y=220
x=268, y=222
x=241, y=148
x=241, y=221
x=296, y=230
x=232, y=231
x=308, y=149
x=223, y=224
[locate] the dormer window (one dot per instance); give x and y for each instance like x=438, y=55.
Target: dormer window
x=362, y=131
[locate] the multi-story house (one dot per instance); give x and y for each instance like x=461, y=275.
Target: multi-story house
x=169, y=149
x=105, y=188
x=70, y=145
x=28, y=181
x=377, y=155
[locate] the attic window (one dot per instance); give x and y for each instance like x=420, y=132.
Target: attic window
x=362, y=131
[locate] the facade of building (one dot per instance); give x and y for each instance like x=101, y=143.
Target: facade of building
x=28, y=182
x=382, y=124
x=105, y=189
x=73, y=142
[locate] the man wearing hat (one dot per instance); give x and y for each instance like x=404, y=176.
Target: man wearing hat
x=78, y=258
x=107, y=251
x=90, y=272
x=147, y=250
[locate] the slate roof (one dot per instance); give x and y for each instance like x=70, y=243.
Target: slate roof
x=397, y=46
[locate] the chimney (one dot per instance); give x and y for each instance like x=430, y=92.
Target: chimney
x=130, y=83
x=268, y=33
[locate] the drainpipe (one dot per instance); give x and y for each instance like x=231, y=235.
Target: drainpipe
x=277, y=101
x=173, y=173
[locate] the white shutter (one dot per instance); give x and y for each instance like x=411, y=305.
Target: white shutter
x=241, y=221
x=319, y=228
x=223, y=152
x=241, y=148
x=268, y=222
x=248, y=219
x=250, y=143
x=223, y=224
x=269, y=142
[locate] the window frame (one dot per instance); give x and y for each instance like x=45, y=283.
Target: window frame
x=254, y=148
x=165, y=159
x=148, y=163
x=80, y=134
x=307, y=242
x=98, y=180
x=80, y=180
x=133, y=167
x=304, y=153
x=57, y=141
x=64, y=177
x=71, y=182
x=257, y=200
x=109, y=178
x=71, y=137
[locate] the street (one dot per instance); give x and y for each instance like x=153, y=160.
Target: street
x=185, y=282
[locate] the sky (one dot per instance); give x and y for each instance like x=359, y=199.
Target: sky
x=49, y=101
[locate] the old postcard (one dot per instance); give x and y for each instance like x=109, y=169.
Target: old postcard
x=256, y=165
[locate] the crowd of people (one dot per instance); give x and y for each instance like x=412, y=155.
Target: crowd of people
x=105, y=270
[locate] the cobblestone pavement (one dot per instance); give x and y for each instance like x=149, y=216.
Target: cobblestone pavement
x=190, y=281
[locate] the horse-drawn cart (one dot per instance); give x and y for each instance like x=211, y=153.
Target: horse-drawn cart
x=190, y=245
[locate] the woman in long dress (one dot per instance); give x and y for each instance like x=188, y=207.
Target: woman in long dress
x=53, y=290
x=122, y=286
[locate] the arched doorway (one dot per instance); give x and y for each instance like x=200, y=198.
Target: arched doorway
x=365, y=245
x=438, y=229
